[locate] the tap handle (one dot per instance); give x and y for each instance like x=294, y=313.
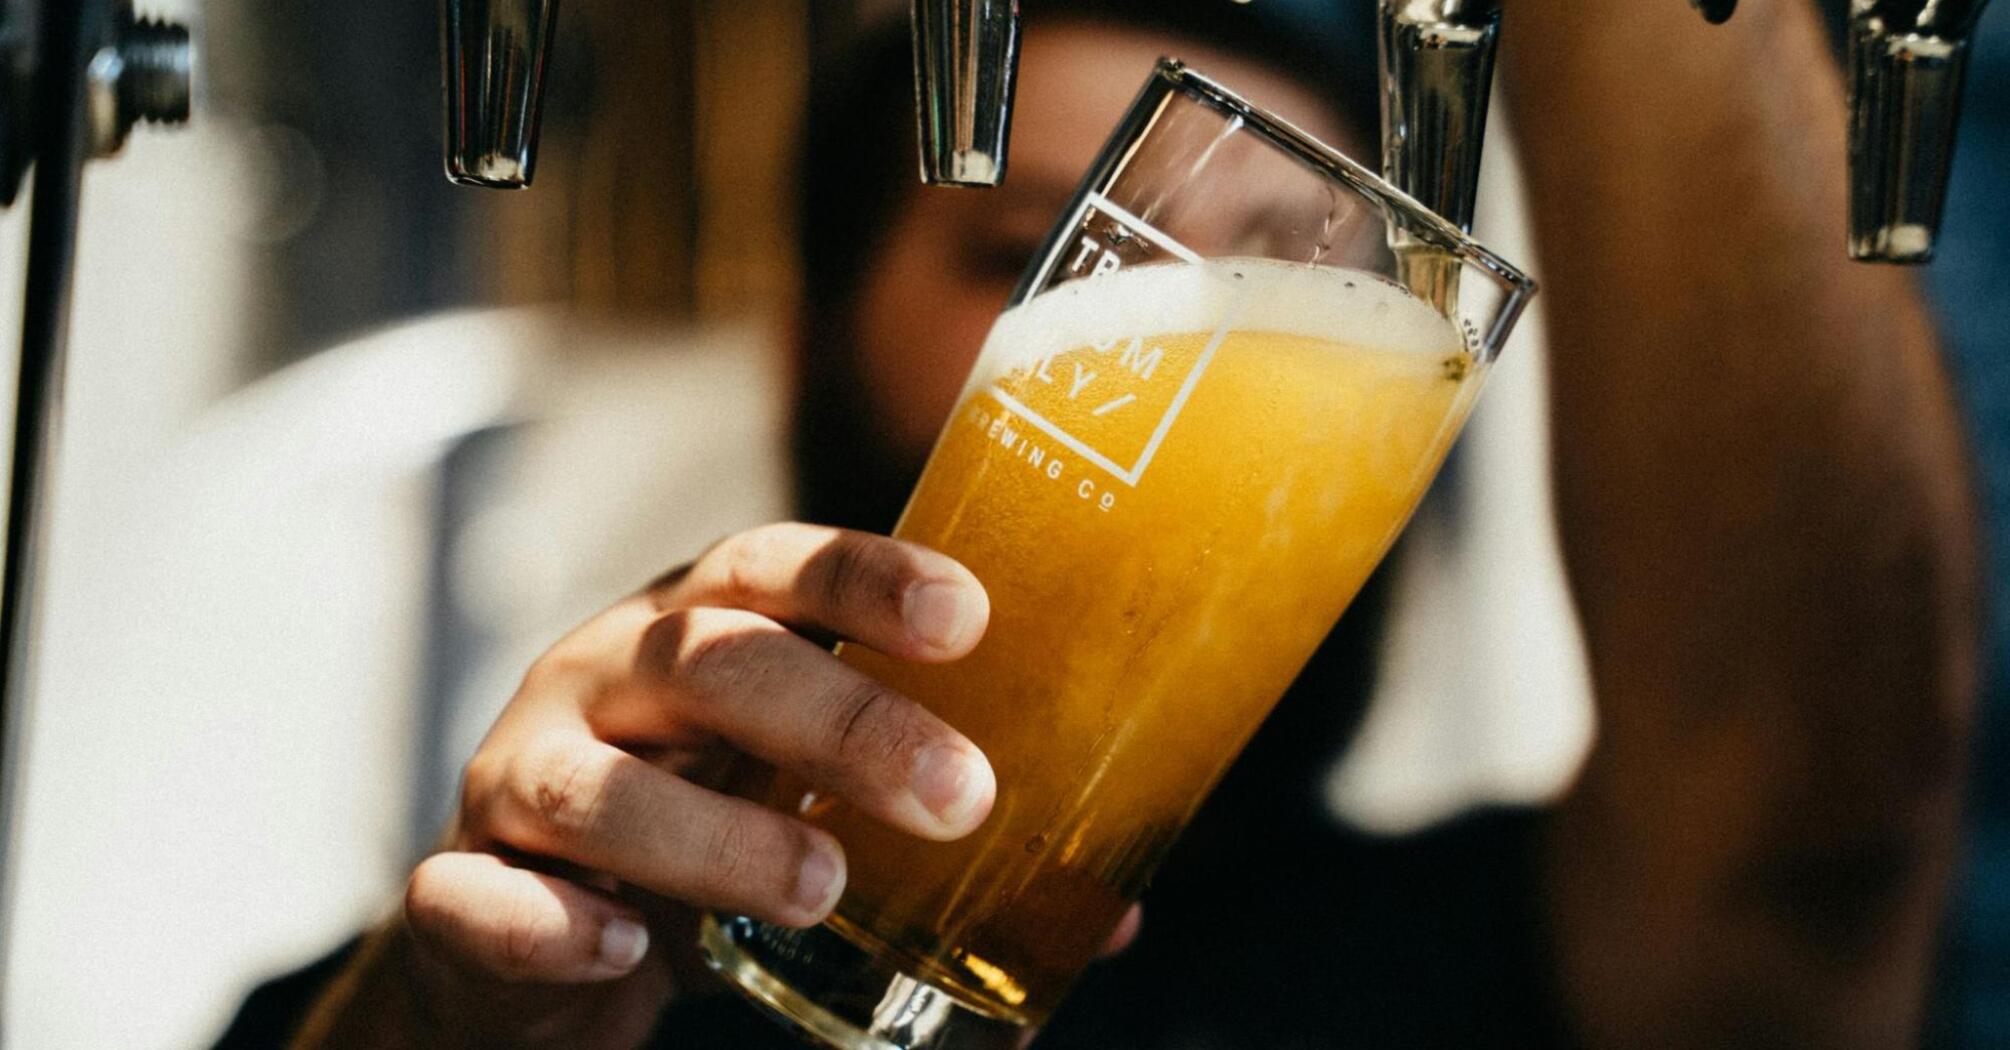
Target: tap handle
x=494, y=54
x=966, y=60
x=1908, y=60
x=1437, y=60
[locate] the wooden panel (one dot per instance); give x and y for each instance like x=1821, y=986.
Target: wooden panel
x=665, y=180
x=752, y=68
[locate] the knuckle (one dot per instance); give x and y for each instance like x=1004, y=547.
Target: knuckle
x=545, y=674
x=564, y=790
x=730, y=851
x=565, y=674
x=662, y=590
x=478, y=782
x=710, y=653
x=660, y=651
x=868, y=724
x=524, y=940
x=743, y=562
x=858, y=569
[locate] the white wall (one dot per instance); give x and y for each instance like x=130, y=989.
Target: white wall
x=171, y=847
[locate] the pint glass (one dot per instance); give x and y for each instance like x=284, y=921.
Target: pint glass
x=1218, y=394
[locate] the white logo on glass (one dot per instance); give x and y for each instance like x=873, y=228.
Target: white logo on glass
x=1082, y=382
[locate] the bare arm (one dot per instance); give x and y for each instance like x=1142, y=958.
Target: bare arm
x=1768, y=526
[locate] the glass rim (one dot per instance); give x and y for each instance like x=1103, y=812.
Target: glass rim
x=1334, y=164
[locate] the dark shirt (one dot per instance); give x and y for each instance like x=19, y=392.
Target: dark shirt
x=1968, y=280
x=1270, y=927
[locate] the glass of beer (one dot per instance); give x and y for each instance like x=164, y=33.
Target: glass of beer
x=1219, y=392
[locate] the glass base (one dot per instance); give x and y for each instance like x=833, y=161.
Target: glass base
x=843, y=996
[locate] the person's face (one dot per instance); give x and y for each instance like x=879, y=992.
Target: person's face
x=953, y=256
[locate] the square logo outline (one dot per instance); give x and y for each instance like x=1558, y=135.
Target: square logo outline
x=1093, y=199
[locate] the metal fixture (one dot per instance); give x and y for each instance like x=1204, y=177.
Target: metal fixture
x=1908, y=61
x=77, y=75
x=1437, y=79
x=494, y=54
x=966, y=57
x=143, y=73
x=135, y=69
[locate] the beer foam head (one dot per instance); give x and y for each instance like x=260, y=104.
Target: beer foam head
x=1351, y=307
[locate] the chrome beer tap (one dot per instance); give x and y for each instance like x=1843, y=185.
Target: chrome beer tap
x=1437, y=75
x=1908, y=61
x=966, y=57
x=1907, y=64
x=495, y=52
x=1437, y=59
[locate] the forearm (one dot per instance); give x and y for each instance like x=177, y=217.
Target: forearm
x=1767, y=524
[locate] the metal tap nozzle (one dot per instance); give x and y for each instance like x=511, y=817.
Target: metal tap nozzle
x=1908, y=60
x=1437, y=66
x=966, y=60
x=1437, y=60
x=494, y=54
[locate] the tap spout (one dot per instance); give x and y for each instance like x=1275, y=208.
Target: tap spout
x=966, y=62
x=1437, y=59
x=1908, y=60
x=493, y=55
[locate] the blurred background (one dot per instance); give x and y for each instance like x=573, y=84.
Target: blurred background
x=247, y=664
x=290, y=338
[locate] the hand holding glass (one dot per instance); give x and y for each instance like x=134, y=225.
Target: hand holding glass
x=1216, y=398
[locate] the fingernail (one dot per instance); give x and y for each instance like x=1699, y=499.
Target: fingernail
x=952, y=783
x=820, y=881
x=939, y=613
x=623, y=943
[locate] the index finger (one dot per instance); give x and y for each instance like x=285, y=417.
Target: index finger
x=897, y=597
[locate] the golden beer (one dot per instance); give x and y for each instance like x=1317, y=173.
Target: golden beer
x=1172, y=480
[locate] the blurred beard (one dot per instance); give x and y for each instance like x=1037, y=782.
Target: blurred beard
x=847, y=473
